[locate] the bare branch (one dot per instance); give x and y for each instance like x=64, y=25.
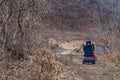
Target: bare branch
x=1, y=2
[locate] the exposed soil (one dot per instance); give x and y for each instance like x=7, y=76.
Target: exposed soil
x=73, y=69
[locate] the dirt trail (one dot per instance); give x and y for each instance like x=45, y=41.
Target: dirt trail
x=72, y=44
x=75, y=70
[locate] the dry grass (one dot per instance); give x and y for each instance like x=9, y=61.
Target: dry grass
x=38, y=66
x=109, y=57
x=102, y=70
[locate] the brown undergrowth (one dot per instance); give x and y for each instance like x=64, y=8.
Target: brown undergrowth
x=109, y=57
x=38, y=66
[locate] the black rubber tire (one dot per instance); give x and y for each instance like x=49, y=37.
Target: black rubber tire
x=83, y=62
x=93, y=62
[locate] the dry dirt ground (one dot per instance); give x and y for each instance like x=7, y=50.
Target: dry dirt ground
x=73, y=69
x=69, y=57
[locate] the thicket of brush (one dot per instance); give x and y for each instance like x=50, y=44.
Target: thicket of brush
x=21, y=45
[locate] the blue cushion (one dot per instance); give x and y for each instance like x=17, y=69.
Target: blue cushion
x=88, y=50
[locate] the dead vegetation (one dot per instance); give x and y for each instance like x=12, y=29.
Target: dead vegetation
x=109, y=58
x=106, y=68
x=26, y=27
x=38, y=66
